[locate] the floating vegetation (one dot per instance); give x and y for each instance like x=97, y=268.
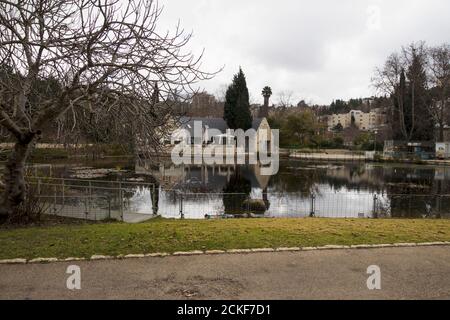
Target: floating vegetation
x=92, y=173
x=408, y=185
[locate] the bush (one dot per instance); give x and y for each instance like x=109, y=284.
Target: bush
x=255, y=205
x=32, y=208
x=335, y=143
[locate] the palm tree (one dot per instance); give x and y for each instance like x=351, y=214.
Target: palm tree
x=266, y=92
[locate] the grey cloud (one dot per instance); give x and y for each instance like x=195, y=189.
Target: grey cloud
x=320, y=50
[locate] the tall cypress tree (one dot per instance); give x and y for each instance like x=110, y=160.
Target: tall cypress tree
x=418, y=100
x=237, y=106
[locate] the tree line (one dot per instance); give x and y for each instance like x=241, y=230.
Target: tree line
x=417, y=79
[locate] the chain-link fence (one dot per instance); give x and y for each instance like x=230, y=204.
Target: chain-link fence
x=136, y=201
x=175, y=204
x=94, y=199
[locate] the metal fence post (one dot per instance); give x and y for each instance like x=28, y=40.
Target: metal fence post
x=438, y=207
x=90, y=196
x=153, y=200
x=86, y=208
x=109, y=207
x=312, y=212
x=374, y=210
x=63, y=195
x=121, y=200
x=54, y=199
x=409, y=206
x=181, y=206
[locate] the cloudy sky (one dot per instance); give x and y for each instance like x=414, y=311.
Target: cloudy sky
x=319, y=50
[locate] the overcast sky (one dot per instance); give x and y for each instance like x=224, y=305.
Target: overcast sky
x=320, y=50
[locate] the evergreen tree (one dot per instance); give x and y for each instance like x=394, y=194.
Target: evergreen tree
x=412, y=119
x=418, y=99
x=237, y=106
x=402, y=116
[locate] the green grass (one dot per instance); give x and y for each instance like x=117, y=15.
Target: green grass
x=160, y=235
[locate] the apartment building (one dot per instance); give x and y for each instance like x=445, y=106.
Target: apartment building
x=366, y=121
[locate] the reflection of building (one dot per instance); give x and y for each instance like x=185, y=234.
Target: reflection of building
x=442, y=174
x=367, y=121
x=356, y=175
x=205, y=177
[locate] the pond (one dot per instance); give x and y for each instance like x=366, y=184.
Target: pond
x=300, y=189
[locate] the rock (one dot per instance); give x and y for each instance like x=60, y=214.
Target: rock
x=263, y=250
x=157, y=254
x=331, y=247
x=133, y=256
x=405, y=244
x=381, y=245
x=239, y=251
x=289, y=249
x=308, y=248
x=431, y=243
x=43, y=260
x=361, y=246
x=255, y=205
x=215, y=251
x=74, y=259
x=100, y=257
x=13, y=261
x=187, y=253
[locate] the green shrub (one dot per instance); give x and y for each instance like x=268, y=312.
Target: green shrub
x=255, y=205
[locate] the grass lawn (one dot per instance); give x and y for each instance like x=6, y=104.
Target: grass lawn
x=160, y=235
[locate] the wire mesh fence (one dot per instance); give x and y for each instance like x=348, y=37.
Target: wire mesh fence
x=327, y=205
x=124, y=200
x=93, y=199
x=88, y=208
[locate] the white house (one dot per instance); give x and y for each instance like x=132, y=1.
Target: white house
x=216, y=130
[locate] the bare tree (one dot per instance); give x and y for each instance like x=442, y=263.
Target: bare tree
x=387, y=80
x=105, y=57
x=403, y=77
x=285, y=99
x=221, y=93
x=439, y=66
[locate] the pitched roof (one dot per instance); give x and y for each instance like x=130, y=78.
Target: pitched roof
x=216, y=123
x=256, y=122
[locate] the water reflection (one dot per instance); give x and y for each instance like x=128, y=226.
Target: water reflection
x=340, y=190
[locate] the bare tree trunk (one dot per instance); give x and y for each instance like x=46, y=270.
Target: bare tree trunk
x=442, y=120
x=441, y=124
x=14, y=181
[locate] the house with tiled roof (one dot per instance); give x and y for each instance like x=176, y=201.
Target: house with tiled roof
x=215, y=130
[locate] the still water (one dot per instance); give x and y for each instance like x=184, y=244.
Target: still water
x=300, y=189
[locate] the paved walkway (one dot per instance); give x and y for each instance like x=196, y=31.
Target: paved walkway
x=406, y=273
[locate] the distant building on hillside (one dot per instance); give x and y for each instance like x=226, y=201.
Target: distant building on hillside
x=366, y=121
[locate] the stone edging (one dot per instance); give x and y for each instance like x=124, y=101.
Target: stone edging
x=215, y=252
